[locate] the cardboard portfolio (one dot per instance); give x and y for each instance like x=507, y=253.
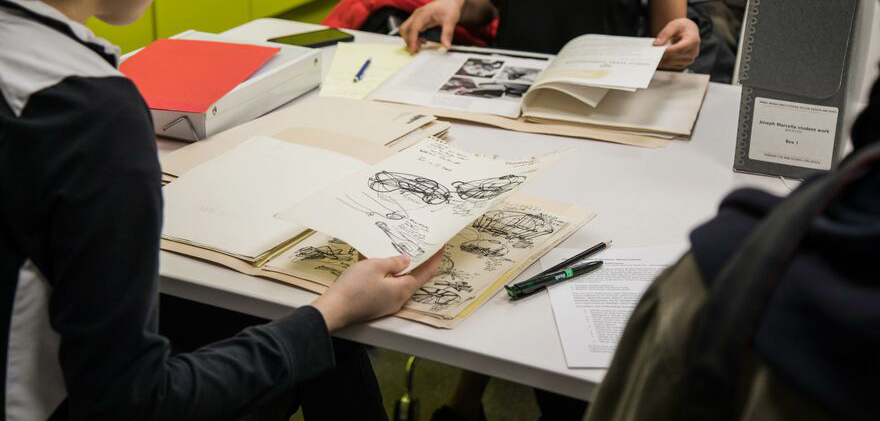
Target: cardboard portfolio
x=202, y=89
x=800, y=71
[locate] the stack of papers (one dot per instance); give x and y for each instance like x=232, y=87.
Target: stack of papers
x=372, y=123
x=235, y=209
x=243, y=189
x=599, y=86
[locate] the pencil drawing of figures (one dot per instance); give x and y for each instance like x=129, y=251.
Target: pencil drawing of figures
x=447, y=269
x=427, y=190
x=401, y=243
x=441, y=294
x=521, y=227
x=487, y=188
x=458, y=286
x=419, y=199
x=328, y=252
x=446, y=266
x=436, y=297
x=333, y=271
x=484, y=248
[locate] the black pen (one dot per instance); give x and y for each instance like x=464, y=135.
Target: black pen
x=539, y=283
x=576, y=258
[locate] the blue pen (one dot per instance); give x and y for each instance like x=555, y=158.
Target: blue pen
x=360, y=73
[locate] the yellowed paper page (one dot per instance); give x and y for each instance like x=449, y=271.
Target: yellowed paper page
x=313, y=263
x=319, y=258
x=385, y=61
x=228, y=203
x=415, y=201
x=472, y=260
x=491, y=248
x=481, y=253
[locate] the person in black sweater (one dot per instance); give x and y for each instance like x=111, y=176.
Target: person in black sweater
x=80, y=221
x=546, y=26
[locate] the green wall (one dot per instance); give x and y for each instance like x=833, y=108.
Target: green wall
x=168, y=17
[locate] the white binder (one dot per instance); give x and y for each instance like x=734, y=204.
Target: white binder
x=292, y=72
x=800, y=72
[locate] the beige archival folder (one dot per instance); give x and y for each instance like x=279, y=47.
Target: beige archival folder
x=576, y=217
x=302, y=265
x=353, y=119
x=648, y=118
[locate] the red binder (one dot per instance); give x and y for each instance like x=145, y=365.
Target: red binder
x=189, y=75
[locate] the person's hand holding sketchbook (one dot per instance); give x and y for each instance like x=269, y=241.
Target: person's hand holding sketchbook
x=370, y=289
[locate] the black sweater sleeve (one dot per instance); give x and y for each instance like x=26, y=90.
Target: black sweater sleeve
x=95, y=212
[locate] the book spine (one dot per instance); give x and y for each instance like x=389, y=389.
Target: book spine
x=747, y=99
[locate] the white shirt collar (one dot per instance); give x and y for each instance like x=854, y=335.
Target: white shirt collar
x=79, y=30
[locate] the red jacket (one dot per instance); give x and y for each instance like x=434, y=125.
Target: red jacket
x=352, y=14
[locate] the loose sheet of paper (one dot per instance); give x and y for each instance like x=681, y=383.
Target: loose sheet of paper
x=465, y=82
x=228, y=203
x=606, y=61
x=385, y=61
x=591, y=311
x=416, y=201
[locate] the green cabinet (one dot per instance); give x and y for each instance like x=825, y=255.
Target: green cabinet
x=311, y=11
x=165, y=18
x=173, y=17
x=264, y=8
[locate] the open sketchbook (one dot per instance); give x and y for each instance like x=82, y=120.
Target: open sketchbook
x=223, y=211
x=605, y=83
x=415, y=201
x=477, y=261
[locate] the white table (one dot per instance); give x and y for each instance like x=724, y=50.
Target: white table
x=643, y=197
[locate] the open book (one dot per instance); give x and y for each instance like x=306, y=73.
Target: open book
x=298, y=206
x=607, y=82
